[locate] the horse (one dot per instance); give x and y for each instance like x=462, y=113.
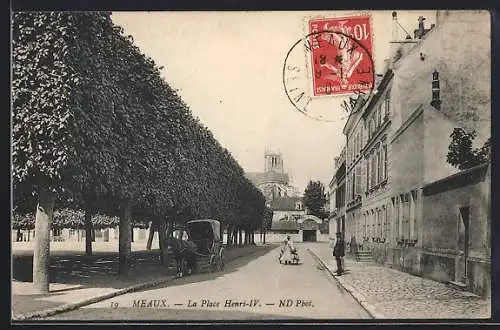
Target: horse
x=183, y=252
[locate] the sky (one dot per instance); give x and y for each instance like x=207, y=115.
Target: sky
x=227, y=66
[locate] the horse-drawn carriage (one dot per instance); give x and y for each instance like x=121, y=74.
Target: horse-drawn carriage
x=198, y=246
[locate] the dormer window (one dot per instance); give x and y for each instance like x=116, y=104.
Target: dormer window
x=299, y=206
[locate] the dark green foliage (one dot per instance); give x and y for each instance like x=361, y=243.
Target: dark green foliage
x=315, y=198
x=93, y=119
x=268, y=218
x=460, y=152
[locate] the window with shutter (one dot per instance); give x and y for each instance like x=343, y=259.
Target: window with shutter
x=396, y=217
x=384, y=217
x=385, y=162
x=359, y=142
x=348, y=156
x=353, y=191
x=379, y=172
x=406, y=217
x=379, y=115
x=387, y=104
x=367, y=174
x=348, y=188
x=355, y=145
x=373, y=169
x=361, y=137
x=358, y=179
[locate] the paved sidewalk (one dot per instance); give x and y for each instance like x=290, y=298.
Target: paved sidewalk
x=398, y=295
x=79, y=278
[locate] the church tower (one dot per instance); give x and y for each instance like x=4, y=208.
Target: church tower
x=273, y=162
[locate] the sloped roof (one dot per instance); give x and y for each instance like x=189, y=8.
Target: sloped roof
x=463, y=178
x=285, y=225
x=284, y=203
x=258, y=178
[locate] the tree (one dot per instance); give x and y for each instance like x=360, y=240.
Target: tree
x=315, y=198
x=460, y=152
x=96, y=127
x=267, y=222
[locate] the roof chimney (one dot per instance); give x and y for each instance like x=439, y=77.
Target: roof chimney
x=395, y=37
x=421, y=29
x=436, y=101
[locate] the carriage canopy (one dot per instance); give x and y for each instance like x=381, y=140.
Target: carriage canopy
x=206, y=228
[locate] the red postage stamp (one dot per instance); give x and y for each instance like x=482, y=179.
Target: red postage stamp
x=341, y=55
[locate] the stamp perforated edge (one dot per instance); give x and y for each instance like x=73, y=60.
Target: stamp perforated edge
x=307, y=57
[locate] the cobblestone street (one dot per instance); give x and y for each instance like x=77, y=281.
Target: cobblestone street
x=400, y=295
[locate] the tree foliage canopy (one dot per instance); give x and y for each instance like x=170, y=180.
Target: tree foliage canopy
x=460, y=152
x=315, y=198
x=94, y=120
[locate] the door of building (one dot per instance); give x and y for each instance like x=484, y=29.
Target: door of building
x=463, y=245
x=309, y=236
x=343, y=227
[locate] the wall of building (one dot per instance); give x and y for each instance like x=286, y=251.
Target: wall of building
x=438, y=129
x=441, y=236
x=451, y=48
x=407, y=165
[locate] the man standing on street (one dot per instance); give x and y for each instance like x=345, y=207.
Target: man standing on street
x=338, y=253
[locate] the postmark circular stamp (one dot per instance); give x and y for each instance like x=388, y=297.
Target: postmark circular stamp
x=333, y=60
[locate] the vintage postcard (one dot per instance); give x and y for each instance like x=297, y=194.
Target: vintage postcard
x=255, y=165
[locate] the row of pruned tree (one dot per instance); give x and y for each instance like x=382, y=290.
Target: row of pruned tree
x=96, y=128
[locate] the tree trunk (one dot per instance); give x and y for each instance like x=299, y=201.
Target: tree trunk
x=235, y=236
x=264, y=242
x=163, y=232
x=93, y=234
x=252, y=237
x=161, y=240
x=131, y=233
x=221, y=232
x=240, y=237
x=88, y=232
x=152, y=229
x=229, y=238
x=124, y=250
x=41, y=251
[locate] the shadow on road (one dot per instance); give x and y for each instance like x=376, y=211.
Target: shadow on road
x=230, y=267
x=101, y=269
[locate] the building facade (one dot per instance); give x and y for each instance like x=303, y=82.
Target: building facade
x=398, y=138
x=374, y=220
x=336, y=219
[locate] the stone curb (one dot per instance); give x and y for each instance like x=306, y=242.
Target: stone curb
x=370, y=309
x=97, y=298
